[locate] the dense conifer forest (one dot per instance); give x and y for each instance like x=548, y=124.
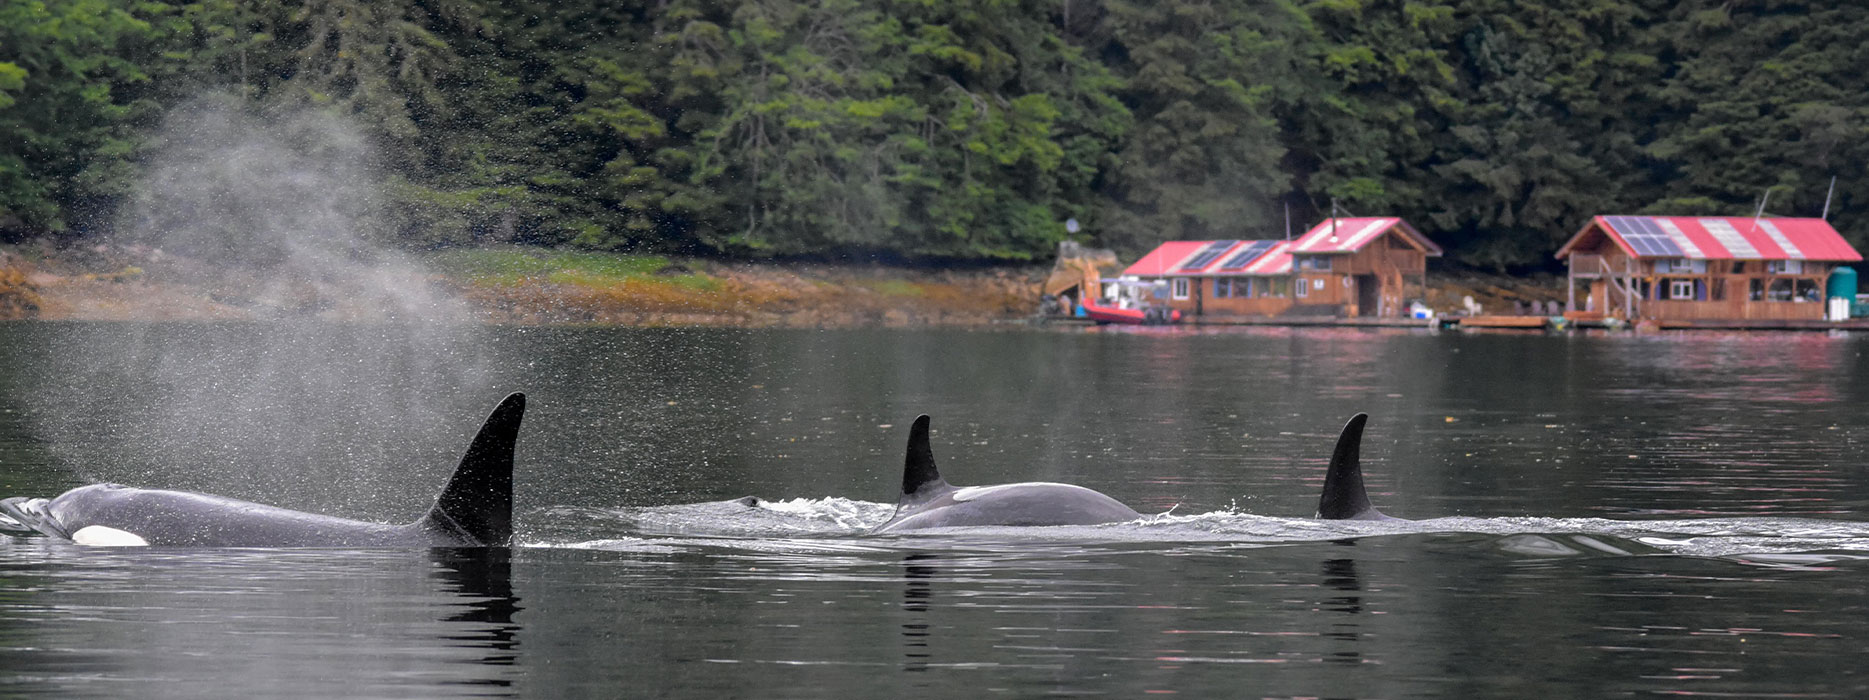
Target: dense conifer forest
x=964, y=130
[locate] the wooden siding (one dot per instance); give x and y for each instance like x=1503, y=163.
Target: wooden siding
x=1599, y=270
x=1397, y=269
x=1727, y=310
x=1391, y=263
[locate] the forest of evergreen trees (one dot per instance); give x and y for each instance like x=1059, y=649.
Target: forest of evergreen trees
x=966, y=129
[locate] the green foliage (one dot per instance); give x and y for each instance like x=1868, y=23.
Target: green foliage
x=66, y=70
x=963, y=129
x=1200, y=155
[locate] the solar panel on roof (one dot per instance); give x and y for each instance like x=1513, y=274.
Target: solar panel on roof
x=1687, y=245
x=1644, y=236
x=1207, y=255
x=1245, y=257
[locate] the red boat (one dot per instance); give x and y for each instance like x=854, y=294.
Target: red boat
x=1151, y=316
x=1135, y=304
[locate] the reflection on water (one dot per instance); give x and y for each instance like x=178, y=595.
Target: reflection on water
x=482, y=577
x=917, y=593
x=1596, y=516
x=1340, y=576
x=207, y=623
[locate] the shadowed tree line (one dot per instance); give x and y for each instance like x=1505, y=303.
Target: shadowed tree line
x=962, y=129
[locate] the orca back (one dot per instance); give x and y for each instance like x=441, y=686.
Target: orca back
x=477, y=503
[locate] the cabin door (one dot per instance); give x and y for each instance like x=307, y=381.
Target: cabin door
x=1368, y=295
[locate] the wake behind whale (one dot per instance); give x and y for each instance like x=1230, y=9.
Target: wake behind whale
x=928, y=501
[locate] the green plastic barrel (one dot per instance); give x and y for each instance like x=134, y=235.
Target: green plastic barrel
x=1842, y=285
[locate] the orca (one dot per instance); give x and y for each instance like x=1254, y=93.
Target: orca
x=928, y=501
x=1344, y=497
x=475, y=509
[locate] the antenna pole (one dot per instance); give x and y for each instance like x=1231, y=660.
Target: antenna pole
x=1833, y=190
x=1288, y=218
x=1761, y=212
x=1333, y=219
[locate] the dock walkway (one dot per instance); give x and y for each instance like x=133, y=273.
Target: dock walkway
x=1527, y=323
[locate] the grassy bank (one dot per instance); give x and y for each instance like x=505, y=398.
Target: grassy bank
x=543, y=286
x=528, y=286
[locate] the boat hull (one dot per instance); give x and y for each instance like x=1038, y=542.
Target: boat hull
x=1134, y=317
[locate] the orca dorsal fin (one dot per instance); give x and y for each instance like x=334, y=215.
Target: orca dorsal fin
x=478, y=500
x=919, y=476
x=1344, y=497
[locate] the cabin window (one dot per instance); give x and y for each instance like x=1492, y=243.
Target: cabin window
x=1805, y=290
x=1181, y=287
x=1778, y=290
x=1274, y=287
x=1784, y=267
x=1681, y=265
x=1314, y=262
x=1739, y=267
x=1680, y=289
x=1223, y=287
x=1303, y=284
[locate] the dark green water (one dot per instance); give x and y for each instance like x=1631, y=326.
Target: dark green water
x=1602, y=516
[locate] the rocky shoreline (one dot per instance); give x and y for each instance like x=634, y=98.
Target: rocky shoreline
x=122, y=283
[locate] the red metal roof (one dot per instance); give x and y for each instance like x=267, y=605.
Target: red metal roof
x=1165, y=256
x=1170, y=260
x=1348, y=235
x=1720, y=238
x=1195, y=258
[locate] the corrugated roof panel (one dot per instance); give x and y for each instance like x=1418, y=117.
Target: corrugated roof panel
x=1688, y=247
x=1160, y=262
x=1771, y=229
x=1709, y=246
x=1722, y=238
x=1350, y=234
x=1369, y=232
x=1817, y=240
x=1736, y=245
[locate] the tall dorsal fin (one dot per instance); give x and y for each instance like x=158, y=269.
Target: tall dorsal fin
x=1344, y=497
x=919, y=476
x=478, y=500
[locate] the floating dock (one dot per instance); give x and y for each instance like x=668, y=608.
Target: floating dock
x=1514, y=323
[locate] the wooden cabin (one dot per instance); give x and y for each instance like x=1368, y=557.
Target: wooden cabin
x=1703, y=267
x=1342, y=267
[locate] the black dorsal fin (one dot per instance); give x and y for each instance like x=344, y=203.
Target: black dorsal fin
x=919, y=476
x=1344, y=497
x=478, y=501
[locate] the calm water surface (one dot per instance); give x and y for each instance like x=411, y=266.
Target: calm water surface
x=1596, y=516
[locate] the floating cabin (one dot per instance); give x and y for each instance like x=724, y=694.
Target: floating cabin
x=1703, y=267
x=1349, y=267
